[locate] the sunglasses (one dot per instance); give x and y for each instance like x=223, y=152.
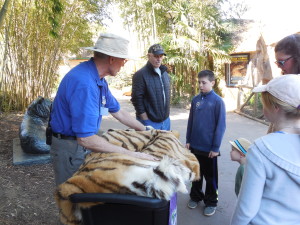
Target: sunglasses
x=282, y=62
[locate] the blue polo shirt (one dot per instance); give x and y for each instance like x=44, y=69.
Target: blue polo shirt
x=76, y=109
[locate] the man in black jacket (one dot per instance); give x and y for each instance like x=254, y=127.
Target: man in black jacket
x=151, y=91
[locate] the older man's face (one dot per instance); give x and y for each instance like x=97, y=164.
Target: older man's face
x=155, y=60
x=116, y=65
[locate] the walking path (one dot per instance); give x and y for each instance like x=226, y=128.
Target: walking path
x=237, y=126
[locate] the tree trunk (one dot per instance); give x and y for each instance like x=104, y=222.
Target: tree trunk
x=3, y=11
x=154, y=23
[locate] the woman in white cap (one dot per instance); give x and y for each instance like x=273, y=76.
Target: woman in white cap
x=83, y=97
x=270, y=188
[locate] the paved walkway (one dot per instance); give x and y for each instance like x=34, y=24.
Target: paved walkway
x=237, y=126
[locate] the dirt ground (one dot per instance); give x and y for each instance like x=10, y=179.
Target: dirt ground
x=26, y=192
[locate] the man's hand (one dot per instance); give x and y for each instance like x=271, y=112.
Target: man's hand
x=148, y=127
x=187, y=145
x=143, y=116
x=213, y=154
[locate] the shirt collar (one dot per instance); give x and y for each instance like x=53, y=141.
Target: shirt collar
x=205, y=94
x=92, y=64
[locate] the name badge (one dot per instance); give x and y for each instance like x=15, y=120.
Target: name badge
x=103, y=111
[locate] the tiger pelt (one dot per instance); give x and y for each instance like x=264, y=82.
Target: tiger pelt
x=120, y=173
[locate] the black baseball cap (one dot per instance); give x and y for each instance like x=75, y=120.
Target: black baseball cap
x=156, y=49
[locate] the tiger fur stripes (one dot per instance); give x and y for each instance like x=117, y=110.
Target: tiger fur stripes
x=124, y=174
x=158, y=143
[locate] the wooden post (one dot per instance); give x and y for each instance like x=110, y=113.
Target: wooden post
x=240, y=90
x=255, y=104
x=248, y=99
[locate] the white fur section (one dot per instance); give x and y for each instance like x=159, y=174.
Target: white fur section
x=174, y=169
x=169, y=167
x=77, y=213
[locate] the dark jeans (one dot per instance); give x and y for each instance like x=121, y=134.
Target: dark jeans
x=209, y=171
x=164, y=125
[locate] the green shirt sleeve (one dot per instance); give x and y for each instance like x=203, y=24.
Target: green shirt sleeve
x=238, y=179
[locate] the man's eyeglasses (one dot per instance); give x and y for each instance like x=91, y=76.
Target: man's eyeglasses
x=282, y=62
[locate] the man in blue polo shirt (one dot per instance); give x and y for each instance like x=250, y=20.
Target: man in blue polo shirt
x=83, y=97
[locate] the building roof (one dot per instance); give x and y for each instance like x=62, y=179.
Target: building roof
x=246, y=39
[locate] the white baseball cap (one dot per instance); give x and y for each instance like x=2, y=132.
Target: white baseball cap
x=285, y=88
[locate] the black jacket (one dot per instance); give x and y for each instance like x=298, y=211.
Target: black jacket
x=147, y=93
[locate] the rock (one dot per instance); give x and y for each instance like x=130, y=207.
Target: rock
x=33, y=127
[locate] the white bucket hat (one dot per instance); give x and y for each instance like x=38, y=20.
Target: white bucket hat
x=112, y=45
x=285, y=88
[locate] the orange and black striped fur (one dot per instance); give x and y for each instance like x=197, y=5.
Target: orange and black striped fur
x=120, y=173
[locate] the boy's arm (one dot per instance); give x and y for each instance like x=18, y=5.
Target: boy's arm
x=189, y=127
x=220, y=113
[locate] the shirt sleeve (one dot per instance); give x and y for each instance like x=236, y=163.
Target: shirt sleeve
x=238, y=179
x=220, y=125
x=138, y=93
x=251, y=192
x=189, y=125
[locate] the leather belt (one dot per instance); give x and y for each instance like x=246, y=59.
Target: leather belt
x=61, y=136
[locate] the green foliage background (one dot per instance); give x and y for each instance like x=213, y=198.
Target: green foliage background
x=36, y=36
